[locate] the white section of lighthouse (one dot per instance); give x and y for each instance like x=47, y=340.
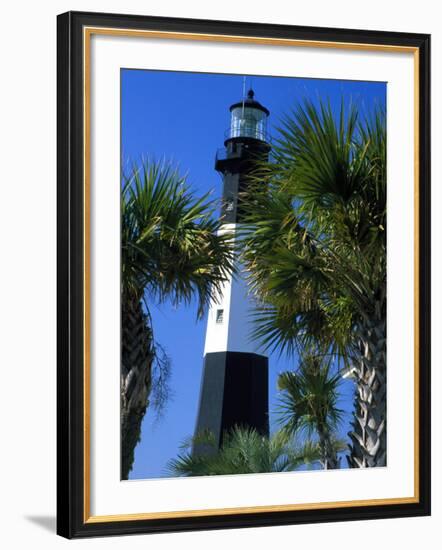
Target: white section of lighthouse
x=228, y=322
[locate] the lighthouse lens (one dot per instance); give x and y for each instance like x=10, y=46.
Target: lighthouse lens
x=248, y=122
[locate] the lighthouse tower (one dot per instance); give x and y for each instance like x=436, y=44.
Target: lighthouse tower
x=234, y=387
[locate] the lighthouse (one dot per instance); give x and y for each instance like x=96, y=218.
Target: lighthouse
x=234, y=386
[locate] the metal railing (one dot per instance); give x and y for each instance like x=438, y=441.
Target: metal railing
x=222, y=154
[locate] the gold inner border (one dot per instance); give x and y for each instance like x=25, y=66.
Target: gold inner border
x=87, y=34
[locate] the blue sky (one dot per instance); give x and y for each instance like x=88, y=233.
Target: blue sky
x=182, y=117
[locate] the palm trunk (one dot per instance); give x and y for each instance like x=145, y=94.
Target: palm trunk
x=369, y=435
x=330, y=460
x=136, y=377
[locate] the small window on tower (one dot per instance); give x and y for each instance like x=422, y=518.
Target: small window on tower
x=229, y=205
x=219, y=316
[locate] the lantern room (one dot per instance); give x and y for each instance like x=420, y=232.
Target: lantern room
x=248, y=119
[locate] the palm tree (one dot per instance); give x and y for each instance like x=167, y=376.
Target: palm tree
x=171, y=249
x=309, y=404
x=243, y=451
x=315, y=249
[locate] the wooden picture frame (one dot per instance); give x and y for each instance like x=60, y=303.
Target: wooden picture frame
x=75, y=29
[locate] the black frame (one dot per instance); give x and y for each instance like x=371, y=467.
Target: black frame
x=70, y=291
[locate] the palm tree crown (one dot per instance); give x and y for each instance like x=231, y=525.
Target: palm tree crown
x=170, y=246
x=243, y=451
x=309, y=403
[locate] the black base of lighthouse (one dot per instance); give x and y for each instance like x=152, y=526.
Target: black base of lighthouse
x=234, y=392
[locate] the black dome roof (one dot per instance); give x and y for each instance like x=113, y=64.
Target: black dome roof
x=250, y=102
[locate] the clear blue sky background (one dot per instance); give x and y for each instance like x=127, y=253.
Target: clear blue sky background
x=182, y=117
